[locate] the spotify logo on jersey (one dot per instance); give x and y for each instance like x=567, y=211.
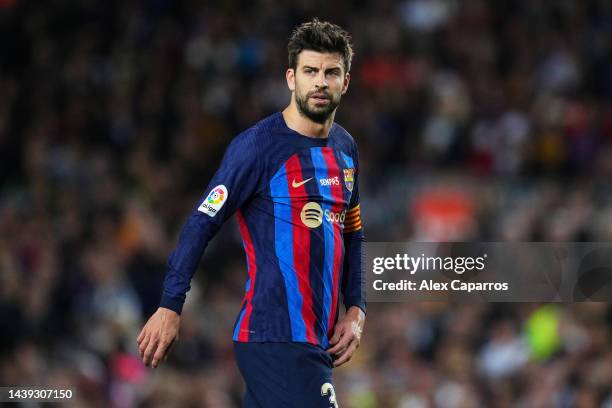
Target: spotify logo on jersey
x=312, y=215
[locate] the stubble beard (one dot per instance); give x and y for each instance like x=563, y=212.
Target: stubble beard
x=318, y=114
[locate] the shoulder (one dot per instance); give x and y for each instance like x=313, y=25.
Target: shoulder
x=257, y=135
x=343, y=135
x=252, y=140
x=344, y=138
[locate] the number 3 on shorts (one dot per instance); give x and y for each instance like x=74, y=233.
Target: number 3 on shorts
x=328, y=390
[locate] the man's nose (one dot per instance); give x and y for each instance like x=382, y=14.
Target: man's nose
x=320, y=80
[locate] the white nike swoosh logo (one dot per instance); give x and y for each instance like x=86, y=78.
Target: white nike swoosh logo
x=301, y=183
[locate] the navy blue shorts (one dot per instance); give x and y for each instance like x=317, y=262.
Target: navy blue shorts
x=285, y=375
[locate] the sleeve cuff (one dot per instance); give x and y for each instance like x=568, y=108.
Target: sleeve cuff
x=361, y=305
x=172, y=303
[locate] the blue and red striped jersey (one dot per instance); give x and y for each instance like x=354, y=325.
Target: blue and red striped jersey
x=297, y=204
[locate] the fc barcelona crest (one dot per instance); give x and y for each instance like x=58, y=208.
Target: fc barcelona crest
x=349, y=179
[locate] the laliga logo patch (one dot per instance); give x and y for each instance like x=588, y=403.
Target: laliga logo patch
x=216, y=196
x=349, y=179
x=215, y=200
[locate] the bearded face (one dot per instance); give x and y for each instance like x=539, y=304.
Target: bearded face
x=319, y=83
x=316, y=105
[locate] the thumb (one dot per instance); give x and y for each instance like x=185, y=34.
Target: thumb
x=336, y=337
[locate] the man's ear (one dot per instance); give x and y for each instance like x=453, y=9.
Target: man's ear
x=347, y=79
x=290, y=76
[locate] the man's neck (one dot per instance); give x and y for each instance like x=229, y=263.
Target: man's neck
x=303, y=125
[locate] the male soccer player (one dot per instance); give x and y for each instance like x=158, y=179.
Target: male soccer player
x=292, y=179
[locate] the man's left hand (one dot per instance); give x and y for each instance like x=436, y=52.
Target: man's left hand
x=347, y=336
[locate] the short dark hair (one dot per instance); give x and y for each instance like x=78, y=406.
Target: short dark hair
x=320, y=36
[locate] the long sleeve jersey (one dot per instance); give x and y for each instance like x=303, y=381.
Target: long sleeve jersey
x=297, y=204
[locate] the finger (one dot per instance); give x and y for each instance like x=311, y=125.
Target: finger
x=337, y=333
x=169, y=349
x=347, y=355
x=143, y=345
x=342, y=344
x=141, y=335
x=150, y=350
x=339, y=353
x=343, y=338
x=162, y=350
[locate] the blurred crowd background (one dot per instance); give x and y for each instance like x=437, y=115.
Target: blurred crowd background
x=476, y=120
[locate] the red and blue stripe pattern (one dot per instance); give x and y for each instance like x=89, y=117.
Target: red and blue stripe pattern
x=294, y=241
x=338, y=206
x=284, y=247
x=311, y=284
x=326, y=167
x=301, y=245
x=241, y=331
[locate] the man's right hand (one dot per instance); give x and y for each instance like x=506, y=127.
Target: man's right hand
x=158, y=335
